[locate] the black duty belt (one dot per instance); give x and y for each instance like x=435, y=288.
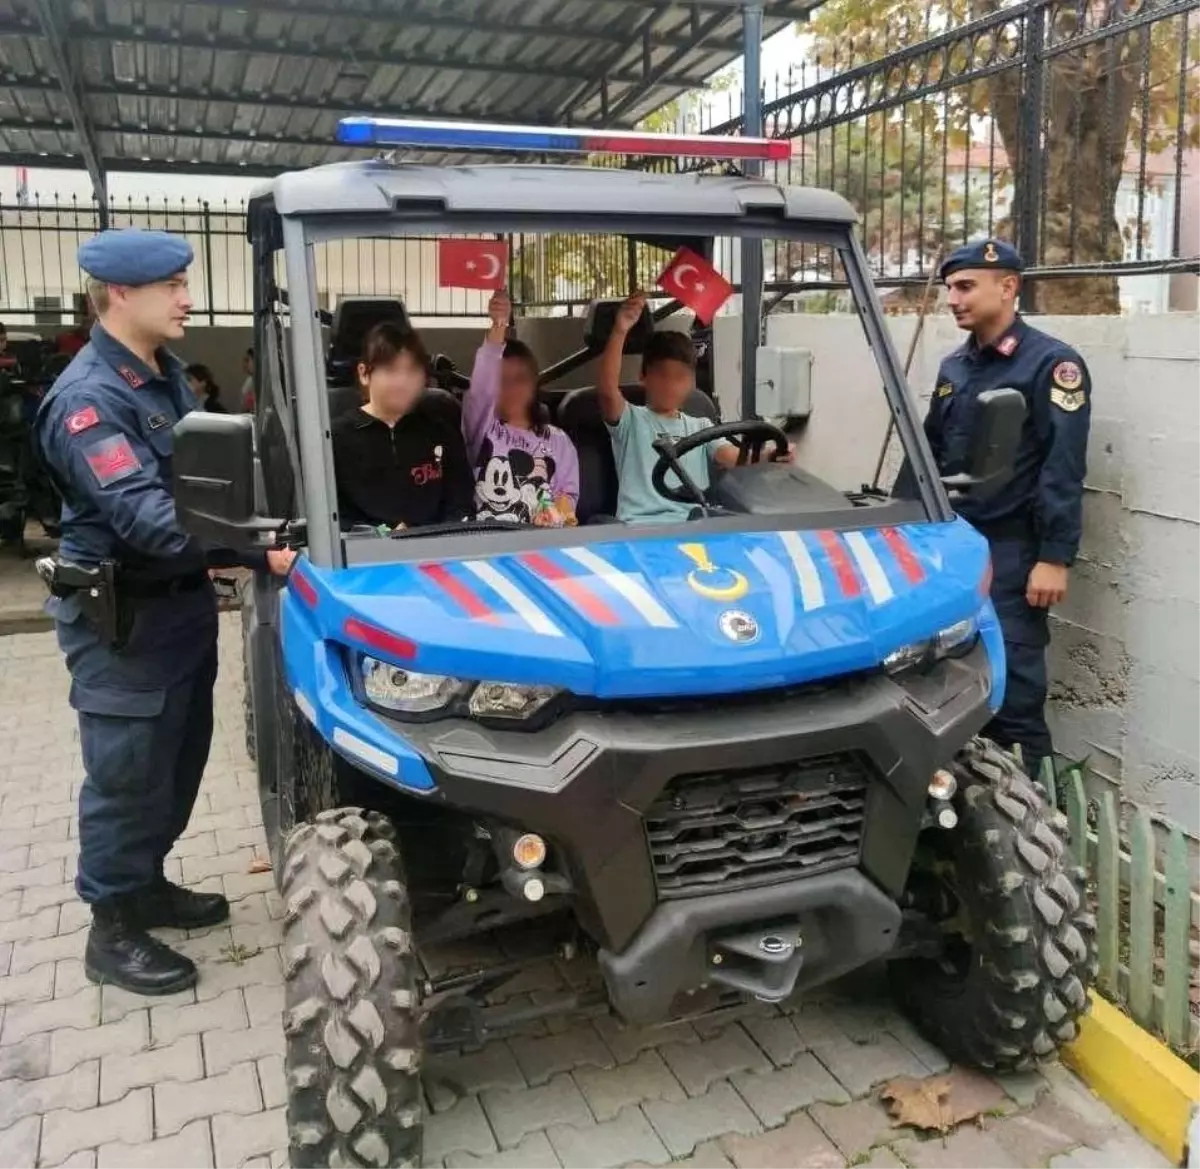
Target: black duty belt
x=143, y=588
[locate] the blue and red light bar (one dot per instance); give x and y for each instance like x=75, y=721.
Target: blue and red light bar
x=467, y=137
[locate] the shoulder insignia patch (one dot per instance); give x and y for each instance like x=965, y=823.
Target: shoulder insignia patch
x=1067, y=375
x=1068, y=400
x=944, y=389
x=112, y=459
x=82, y=420
x=132, y=376
x=1007, y=346
x=157, y=421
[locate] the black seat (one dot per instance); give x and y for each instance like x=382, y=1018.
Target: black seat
x=352, y=319
x=579, y=415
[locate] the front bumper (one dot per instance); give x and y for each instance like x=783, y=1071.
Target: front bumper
x=586, y=783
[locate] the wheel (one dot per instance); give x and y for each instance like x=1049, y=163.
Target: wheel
x=1019, y=945
x=247, y=692
x=353, y=1043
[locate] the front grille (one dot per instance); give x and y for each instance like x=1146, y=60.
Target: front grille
x=736, y=829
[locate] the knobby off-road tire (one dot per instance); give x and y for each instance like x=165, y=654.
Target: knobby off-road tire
x=247, y=694
x=1032, y=952
x=353, y=1047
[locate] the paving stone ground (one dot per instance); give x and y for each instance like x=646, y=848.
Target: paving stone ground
x=96, y=1077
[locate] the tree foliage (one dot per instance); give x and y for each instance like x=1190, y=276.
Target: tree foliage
x=1101, y=102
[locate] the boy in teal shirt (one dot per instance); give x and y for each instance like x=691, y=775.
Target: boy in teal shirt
x=668, y=377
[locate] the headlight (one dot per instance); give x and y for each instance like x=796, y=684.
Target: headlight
x=502, y=700
x=407, y=691
x=959, y=636
x=401, y=691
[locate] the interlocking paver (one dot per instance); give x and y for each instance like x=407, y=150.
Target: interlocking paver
x=799, y=1142
x=697, y=1066
x=83, y=1159
x=19, y=1142
x=264, y=1004
x=73, y=916
x=628, y=1137
x=218, y=976
x=683, y=1126
x=777, y=1036
x=129, y=1121
x=116, y=1003
x=858, y=1067
x=965, y=1146
x=226, y=1012
x=775, y=1095
x=31, y=986
x=26, y=927
x=81, y=1009
x=534, y=1152
x=223, y=1049
x=75, y=1089
x=577, y=1047
x=179, y=1061
x=856, y=1127
x=235, y=1091
x=70, y=1046
x=461, y=1129
x=514, y=1115
x=28, y=954
x=44, y=896
x=272, y=1081
x=627, y=1043
x=449, y=1077
x=647, y=1078
x=69, y=977
x=190, y=1148
x=27, y=1060
x=238, y=1139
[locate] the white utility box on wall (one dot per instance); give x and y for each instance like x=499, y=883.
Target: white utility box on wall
x=784, y=382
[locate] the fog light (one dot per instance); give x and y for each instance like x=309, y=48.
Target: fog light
x=529, y=851
x=534, y=889
x=943, y=785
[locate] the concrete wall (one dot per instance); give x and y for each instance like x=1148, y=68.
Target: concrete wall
x=1124, y=662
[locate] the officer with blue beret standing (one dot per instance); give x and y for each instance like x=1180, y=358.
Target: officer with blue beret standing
x=1033, y=524
x=134, y=607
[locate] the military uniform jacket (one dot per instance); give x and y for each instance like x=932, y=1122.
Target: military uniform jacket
x=1045, y=494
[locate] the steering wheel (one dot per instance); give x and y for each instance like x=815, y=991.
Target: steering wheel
x=749, y=435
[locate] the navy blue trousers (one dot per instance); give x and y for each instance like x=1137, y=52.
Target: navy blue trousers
x=1021, y=721
x=145, y=730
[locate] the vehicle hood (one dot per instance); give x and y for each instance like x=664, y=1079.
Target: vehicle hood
x=660, y=617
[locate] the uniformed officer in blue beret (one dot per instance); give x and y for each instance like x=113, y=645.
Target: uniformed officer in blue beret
x=143, y=667
x=1034, y=523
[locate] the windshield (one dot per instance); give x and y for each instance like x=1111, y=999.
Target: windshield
x=503, y=385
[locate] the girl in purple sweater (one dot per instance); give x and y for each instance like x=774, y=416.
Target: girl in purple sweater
x=526, y=471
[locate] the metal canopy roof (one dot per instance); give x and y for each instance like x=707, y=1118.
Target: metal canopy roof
x=375, y=187
x=250, y=87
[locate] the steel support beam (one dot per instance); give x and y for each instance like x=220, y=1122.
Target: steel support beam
x=752, y=247
x=50, y=19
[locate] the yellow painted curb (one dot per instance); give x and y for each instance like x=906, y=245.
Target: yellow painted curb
x=1135, y=1074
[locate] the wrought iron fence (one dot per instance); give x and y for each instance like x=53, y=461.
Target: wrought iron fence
x=1067, y=126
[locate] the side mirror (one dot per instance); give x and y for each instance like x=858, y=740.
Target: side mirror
x=213, y=471
x=995, y=436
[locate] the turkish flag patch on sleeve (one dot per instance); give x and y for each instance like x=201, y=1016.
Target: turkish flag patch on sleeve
x=82, y=420
x=112, y=459
x=472, y=263
x=694, y=282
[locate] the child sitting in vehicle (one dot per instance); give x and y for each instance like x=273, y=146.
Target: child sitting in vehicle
x=668, y=377
x=527, y=471
x=396, y=463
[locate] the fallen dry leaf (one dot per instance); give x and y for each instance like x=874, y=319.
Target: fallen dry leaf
x=939, y=1103
x=259, y=865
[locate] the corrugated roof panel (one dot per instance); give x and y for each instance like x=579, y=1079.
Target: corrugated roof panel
x=216, y=83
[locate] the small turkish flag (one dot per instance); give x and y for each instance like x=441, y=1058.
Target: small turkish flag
x=472, y=263
x=693, y=281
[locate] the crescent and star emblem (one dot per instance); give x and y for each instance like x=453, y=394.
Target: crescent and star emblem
x=493, y=265
x=680, y=269
x=711, y=581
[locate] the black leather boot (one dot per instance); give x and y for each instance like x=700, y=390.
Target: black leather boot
x=120, y=952
x=165, y=904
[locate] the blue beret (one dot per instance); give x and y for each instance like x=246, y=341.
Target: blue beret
x=134, y=257
x=987, y=253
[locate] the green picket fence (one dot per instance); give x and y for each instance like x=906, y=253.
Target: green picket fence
x=1146, y=910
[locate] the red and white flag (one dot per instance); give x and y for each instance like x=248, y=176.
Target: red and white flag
x=693, y=281
x=472, y=263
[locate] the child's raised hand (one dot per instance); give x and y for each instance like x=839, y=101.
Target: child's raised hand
x=630, y=312
x=500, y=312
